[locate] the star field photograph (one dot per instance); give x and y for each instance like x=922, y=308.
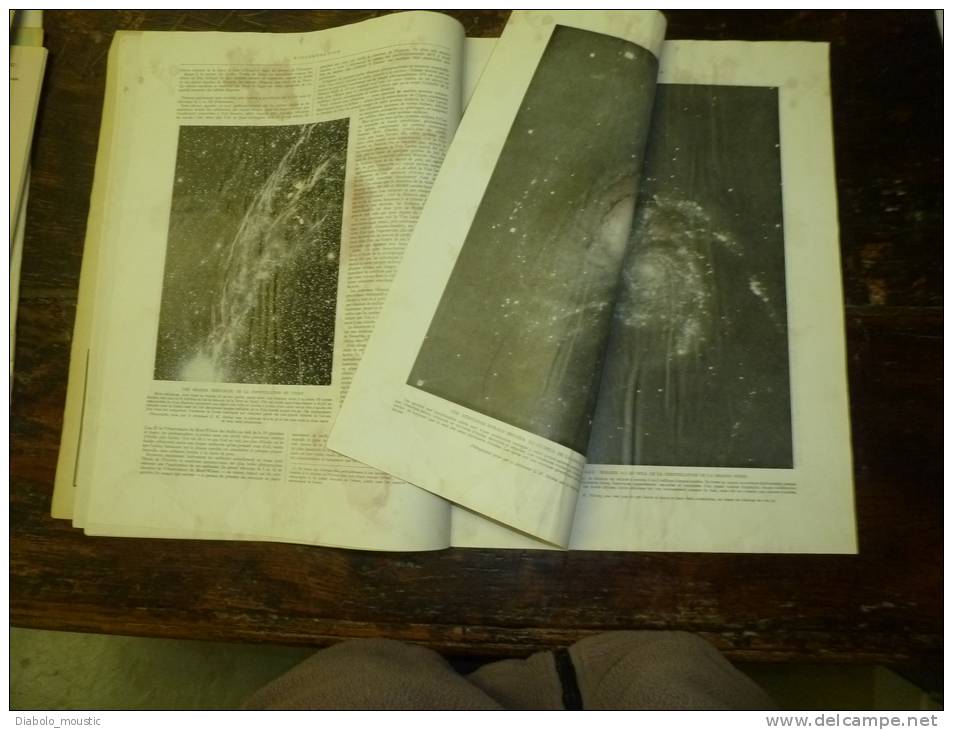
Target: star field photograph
x=250, y=284
x=697, y=370
x=528, y=305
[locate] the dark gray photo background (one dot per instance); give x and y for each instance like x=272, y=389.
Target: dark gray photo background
x=697, y=370
x=526, y=311
x=251, y=271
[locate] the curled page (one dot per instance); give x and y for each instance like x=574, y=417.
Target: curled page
x=481, y=379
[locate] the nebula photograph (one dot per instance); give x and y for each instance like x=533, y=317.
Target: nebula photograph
x=697, y=372
x=249, y=289
x=529, y=303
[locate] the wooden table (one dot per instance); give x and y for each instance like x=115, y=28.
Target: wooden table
x=883, y=605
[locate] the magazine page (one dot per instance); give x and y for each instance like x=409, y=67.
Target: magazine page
x=484, y=358
x=261, y=191
x=722, y=422
x=477, y=53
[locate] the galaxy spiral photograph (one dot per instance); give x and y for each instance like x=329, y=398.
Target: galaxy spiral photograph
x=528, y=305
x=697, y=372
x=249, y=291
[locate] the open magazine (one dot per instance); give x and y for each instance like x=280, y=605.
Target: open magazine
x=254, y=198
x=619, y=322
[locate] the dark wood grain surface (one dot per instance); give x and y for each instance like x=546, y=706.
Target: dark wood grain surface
x=883, y=605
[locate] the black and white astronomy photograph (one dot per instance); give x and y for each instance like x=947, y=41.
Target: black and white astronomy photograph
x=696, y=372
x=250, y=284
x=528, y=305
